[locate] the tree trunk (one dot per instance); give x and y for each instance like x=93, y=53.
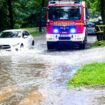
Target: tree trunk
x=10, y=13
x=103, y=15
x=40, y=23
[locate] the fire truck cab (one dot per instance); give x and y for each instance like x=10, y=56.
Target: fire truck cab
x=66, y=24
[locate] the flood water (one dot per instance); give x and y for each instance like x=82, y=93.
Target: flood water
x=38, y=76
x=26, y=71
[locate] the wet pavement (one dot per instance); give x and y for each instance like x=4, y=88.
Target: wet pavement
x=39, y=77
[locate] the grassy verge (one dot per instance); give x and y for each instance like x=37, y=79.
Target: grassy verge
x=90, y=74
x=98, y=43
x=34, y=31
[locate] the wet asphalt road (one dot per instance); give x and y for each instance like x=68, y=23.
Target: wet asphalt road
x=39, y=77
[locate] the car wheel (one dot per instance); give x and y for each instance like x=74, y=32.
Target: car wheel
x=82, y=46
x=33, y=43
x=51, y=45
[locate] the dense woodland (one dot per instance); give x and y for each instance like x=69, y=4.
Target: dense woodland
x=26, y=13
x=20, y=13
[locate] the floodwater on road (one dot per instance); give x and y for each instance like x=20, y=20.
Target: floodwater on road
x=26, y=71
x=39, y=77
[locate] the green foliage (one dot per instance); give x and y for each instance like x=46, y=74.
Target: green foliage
x=34, y=31
x=90, y=74
x=4, y=24
x=93, y=6
x=98, y=43
x=26, y=13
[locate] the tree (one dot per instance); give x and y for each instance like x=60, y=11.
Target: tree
x=4, y=24
x=102, y=4
x=20, y=13
x=10, y=13
x=40, y=23
x=103, y=9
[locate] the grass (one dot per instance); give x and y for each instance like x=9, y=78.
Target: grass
x=90, y=74
x=98, y=43
x=34, y=31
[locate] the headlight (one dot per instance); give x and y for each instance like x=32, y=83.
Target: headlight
x=72, y=30
x=48, y=36
x=56, y=30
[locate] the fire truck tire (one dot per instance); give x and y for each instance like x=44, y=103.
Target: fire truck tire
x=50, y=45
x=82, y=46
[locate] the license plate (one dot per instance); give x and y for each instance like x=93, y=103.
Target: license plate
x=64, y=35
x=64, y=38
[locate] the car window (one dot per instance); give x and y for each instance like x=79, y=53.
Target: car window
x=9, y=34
x=26, y=33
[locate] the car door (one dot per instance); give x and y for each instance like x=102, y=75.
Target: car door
x=27, y=37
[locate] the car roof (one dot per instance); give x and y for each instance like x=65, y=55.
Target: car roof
x=13, y=30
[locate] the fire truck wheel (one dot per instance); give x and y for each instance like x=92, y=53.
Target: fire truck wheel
x=50, y=46
x=82, y=46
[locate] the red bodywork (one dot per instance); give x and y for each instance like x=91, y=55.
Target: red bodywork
x=78, y=23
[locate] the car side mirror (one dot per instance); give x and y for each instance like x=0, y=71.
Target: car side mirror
x=24, y=36
x=87, y=17
x=85, y=24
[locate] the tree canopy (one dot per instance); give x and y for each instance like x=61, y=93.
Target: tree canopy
x=26, y=13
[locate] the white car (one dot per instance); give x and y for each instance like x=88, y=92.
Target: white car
x=16, y=39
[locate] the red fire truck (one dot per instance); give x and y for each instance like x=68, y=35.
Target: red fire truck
x=66, y=24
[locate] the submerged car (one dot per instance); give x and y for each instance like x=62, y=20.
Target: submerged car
x=16, y=39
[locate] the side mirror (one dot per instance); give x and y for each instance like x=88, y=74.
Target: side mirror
x=85, y=23
x=24, y=36
x=87, y=17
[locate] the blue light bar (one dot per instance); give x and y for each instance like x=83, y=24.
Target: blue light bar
x=73, y=29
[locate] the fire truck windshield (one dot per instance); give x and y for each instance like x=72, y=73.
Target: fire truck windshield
x=64, y=13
